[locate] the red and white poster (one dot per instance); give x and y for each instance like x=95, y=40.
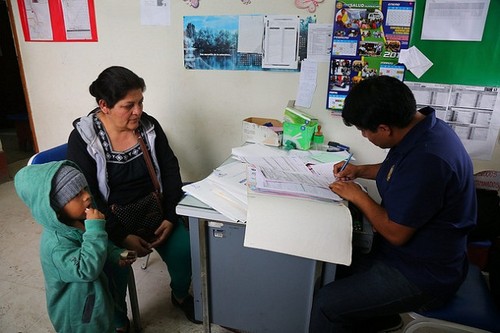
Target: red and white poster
x=58, y=20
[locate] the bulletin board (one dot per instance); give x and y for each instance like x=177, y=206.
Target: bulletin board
x=458, y=62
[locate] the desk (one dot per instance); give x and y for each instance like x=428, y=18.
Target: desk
x=243, y=288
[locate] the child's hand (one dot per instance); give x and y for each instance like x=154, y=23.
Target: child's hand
x=94, y=214
x=127, y=258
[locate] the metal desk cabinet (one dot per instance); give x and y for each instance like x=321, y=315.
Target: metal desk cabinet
x=250, y=289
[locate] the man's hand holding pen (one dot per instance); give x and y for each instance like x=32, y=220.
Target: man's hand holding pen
x=344, y=172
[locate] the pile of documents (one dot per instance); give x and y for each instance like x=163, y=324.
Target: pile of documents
x=284, y=199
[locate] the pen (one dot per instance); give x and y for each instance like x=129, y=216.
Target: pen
x=345, y=163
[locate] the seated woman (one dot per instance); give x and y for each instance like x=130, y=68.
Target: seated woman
x=106, y=147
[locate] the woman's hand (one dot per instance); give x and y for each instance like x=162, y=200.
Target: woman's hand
x=162, y=233
x=126, y=262
x=137, y=244
x=127, y=258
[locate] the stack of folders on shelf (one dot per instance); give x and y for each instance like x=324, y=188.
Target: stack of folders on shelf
x=284, y=199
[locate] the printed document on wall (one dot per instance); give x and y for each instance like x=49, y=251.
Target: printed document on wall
x=38, y=17
x=155, y=12
x=473, y=112
x=319, y=42
x=76, y=19
x=454, y=19
x=250, y=32
x=281, y=41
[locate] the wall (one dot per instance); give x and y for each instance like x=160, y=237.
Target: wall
x=201, y=111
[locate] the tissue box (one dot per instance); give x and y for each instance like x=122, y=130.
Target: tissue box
x=255, y=131
x=299, y=134
x=295, y=116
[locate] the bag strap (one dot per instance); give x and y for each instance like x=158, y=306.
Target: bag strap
x=149, y=164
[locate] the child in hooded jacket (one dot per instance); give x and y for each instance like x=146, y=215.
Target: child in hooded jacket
x=73, y=248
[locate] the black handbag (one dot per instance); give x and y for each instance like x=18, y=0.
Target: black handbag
x=142, y=217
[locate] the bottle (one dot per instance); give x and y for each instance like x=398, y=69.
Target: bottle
x=318, y=139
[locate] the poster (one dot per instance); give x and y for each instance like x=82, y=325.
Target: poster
x=58, y=20
x=367, y=38
x=245, y=42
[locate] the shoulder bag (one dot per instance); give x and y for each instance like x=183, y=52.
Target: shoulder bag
x=142, y=217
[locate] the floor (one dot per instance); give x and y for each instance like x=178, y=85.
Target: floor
x=22, y=293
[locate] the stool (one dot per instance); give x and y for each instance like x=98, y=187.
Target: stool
x=471, y=309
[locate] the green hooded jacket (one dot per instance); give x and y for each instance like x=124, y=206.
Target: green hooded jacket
x=78, y=298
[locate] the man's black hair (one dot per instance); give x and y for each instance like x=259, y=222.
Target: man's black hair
x=379, y=100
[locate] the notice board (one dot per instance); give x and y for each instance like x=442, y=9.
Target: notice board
x=458, y=62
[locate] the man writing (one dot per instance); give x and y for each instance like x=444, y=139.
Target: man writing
x=428, y=207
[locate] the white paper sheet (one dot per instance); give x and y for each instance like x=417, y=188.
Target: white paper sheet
x=155, y=12
x=76, y=19
x=454, y=19
x=214, y=196
x=303, y=184
x=319, y=42
x=305, y=228
x=281, y=41
x=250, y=32
x=38, y=15
x=415, y=61
x=307, y=83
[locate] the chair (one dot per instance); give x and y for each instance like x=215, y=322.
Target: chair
x=59, y=153
x=487, y=232
x=471, y=310
x=53, y=154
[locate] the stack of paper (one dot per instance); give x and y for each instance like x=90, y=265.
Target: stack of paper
x=224, y=190
x=300, y=184
x=276, y=194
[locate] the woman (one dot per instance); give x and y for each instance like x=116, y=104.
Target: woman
x=105, y=146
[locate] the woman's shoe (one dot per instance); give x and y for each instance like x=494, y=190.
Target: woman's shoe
x=187, y=306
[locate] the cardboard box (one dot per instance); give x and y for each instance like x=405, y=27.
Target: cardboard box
x=256, y=130
x=299, y=134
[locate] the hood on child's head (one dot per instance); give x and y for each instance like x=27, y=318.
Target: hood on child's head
x=46, y=188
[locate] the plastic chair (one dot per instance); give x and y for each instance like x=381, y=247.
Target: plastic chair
x=53, y=154
x=59, y=153
x=471, y=310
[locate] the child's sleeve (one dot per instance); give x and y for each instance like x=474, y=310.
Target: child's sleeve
x=114, y=253
x=82, y=262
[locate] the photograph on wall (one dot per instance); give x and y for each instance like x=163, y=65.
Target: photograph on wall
x=233, y=42
x=367, y=38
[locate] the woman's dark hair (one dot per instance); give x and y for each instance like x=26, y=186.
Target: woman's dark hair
x=114, y=83
x=379, y=100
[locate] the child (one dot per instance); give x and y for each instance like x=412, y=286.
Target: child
x=73, y=248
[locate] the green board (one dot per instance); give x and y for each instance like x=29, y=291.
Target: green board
x=467, y=63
